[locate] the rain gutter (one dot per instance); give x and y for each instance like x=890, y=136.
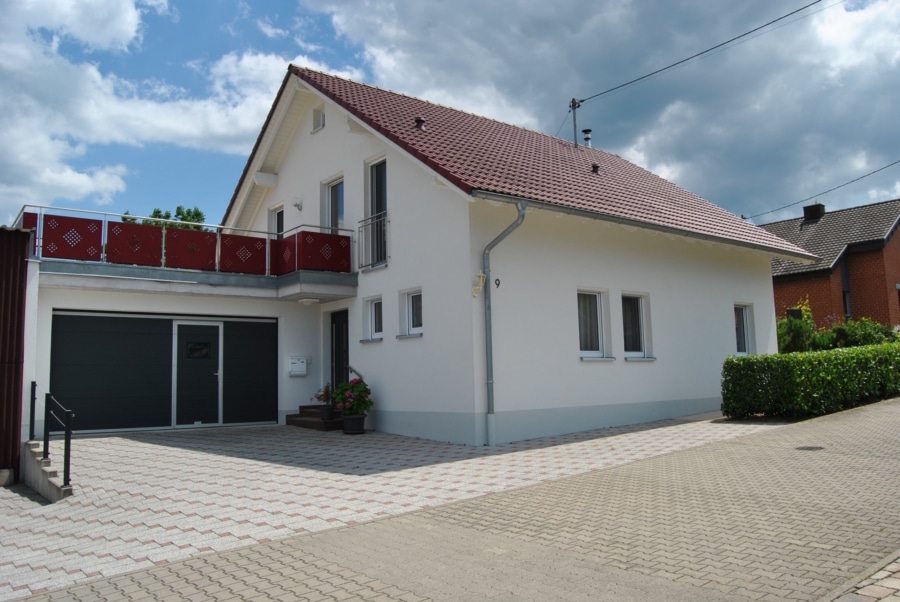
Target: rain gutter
x=488, y=330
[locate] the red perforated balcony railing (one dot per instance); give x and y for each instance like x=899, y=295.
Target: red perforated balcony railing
x=242, y=254
x=283, y=255
x=321, y=251
x=134, y=244
x=131, y=243
x=72, y=238
x=191, y=249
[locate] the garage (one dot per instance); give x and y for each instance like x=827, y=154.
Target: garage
x=118, y=371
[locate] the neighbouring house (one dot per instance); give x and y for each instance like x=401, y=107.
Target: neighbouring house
x=490, y=283
x=858, y=271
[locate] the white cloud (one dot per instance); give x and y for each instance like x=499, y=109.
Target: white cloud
x=53, y=109
x=270, y=31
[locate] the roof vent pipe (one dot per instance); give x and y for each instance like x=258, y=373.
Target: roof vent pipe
x=587, y=136
x=595, y=167
x=420, y=123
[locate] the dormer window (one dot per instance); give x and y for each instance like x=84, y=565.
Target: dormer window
x=318, y=119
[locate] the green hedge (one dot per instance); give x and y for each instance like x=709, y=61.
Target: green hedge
x=800, y=385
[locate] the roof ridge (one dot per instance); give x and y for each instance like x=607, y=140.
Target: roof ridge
x=841, y=210
x=294, y=68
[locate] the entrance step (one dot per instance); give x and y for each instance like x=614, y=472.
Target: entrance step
x=40, y=475
x=310, y=417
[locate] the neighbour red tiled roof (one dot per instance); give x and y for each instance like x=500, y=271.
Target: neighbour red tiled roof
x=480, y=154
x=829, y=236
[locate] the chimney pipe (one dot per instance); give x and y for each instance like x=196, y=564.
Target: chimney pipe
x=595, y=167
x=420, y=123
x=813, y=212
x=587, y=136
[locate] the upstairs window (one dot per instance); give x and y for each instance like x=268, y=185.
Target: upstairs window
x=318, y=119
x=373, y=235
x=334, y=206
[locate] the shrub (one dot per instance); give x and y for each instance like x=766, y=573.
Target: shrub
x=800, y=385
x=855, y=333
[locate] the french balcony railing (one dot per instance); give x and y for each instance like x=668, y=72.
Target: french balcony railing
x=373, y=241
x=116, y=239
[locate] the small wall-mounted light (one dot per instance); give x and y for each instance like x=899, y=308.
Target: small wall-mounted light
x=298, y=203
x=307, y=301
x=479, y=284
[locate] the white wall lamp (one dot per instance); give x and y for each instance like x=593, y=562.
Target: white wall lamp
x=298, y=203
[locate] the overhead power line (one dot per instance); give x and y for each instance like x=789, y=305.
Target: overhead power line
x=692, y=57
x=827, y=191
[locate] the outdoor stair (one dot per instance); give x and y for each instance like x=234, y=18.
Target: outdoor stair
x=40, y=475
x=309, y=417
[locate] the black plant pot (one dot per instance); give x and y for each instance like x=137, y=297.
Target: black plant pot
x=354, y=425
x=327, y=411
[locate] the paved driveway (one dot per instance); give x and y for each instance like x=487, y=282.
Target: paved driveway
x=741, y=512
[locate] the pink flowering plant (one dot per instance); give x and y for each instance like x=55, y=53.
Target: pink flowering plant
x=325, y=395
x=353, y=398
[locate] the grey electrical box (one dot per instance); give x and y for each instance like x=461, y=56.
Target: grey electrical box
x=299, y=365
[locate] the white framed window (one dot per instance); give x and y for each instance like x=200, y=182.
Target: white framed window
x=374, y=319
x=411, y=319
x=318, y=117
x=333, y=205
x=743, y=329
x=373, y=231
x=276, y=222
x=592, y=336
x=635, y=326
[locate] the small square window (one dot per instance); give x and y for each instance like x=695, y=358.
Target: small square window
x=318, y=119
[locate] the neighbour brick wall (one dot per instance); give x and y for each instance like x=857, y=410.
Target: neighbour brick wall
x=824, y=292
x=868, y=286
x=892, y=278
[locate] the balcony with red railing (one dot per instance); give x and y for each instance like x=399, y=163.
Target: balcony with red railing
x=85, y=236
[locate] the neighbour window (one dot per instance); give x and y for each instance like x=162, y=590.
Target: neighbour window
x=634, y=325
x=590, y=325
x=334, y=206
x=411, y=320
x=374, y=319
x=740, y=330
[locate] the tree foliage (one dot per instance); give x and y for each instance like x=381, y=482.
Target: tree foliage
x=185, y=218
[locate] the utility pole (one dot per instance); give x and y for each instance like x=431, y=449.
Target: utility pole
x=574, y=105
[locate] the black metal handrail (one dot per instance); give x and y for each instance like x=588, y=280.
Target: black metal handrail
x=51, y=406
x=31, y=417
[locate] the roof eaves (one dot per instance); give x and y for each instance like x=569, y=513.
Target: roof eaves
x=803, y=258
x=256, y=145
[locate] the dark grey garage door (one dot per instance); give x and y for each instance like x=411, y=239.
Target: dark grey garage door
x=116, y=372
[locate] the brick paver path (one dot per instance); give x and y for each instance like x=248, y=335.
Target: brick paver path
x=800, y=512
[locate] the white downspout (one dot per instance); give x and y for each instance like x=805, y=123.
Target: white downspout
x=488, y=332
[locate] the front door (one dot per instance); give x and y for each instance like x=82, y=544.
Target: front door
x=340, y=347
x=197, y=361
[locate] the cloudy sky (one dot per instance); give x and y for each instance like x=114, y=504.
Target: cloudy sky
x=114, y=105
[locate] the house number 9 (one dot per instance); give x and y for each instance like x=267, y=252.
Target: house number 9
x=497, y=283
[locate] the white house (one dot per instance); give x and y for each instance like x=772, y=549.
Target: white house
x=490, y=283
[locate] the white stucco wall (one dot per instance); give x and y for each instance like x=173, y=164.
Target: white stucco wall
x=542, y=387
x=422, y=386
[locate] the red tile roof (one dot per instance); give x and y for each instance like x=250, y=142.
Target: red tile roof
x=835, y=233
x=480, y=154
